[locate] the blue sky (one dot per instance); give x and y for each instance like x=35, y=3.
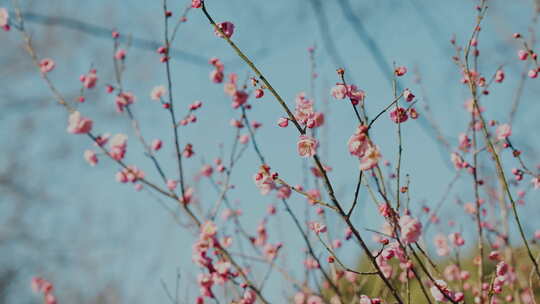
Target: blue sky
x=93, y=231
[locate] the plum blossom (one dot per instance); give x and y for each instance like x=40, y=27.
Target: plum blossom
x=89, y=80
x=464, y=142
x=46, y=65
x=499, y=76
x=283, y=122
x=78, y=124
x=456, y=239
x=46, y=288
x=259, y=93
x=264, y=181
x=118, y=145
x=120, y=54
x=400, y=71
x=307, y=146
x=206, y=170
x=196, y=3
x=243, y=139
x=4, y=17
x=314, y=300
x=171, y=184
x=371, y=158
x=411, y=229
x=440, y=291
x=458, y=162
x=536, y=182
x=227, y=28
x=399, y=115
x=304, y=109
x=156, y=144
x=158, y=92
x=341, y=91
x=408, y=95
x=441, y=245
x=523, y=54
x=130, y=174
x=503, y=131
x=284, y=192
x=91, y=157
x=124, y=99
x=317, y=227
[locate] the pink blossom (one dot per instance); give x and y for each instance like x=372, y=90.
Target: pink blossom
x=118, y=145
x=120, y=54
x=195, y=105
x=503, y=131
x=533, y=73
x=158, y=92
x=216, y=76
x=227, y=28
x=283, y=122
x=536, y=182
x=399, y=115
x=400, y=71
x=457, y=160
x=4, y=17
x=523, y=54
x=124, y=99
x=264, y=181
x=304, y=109
x=364, y=300
x=311, y=263
x=408, y=95
x=208, y=230
x=371, y=158
x=188, y=196
x=271, y=209
x=441, y=245
x=358, y=144
x=436, y=291
x=284, y=192
x=243, y=139
x=256, y=124
x=413, y=114
x=456, y=239
x=89, y=80
x=156, y=144
x=499, y=76
x=259, y=93
x=317, y=227
x=78, y=124
x=90, y=157
x=411, y=229
x=339, y=91
x=46, y=65
x=307, y=146
x=239, y=99
x=464, y=142
x=314, y=300
x=317, y=119
x=171, y=184
x=452, y=272
x=206, y=170
x=249, y=297
x=196, y=3
x=299, y=298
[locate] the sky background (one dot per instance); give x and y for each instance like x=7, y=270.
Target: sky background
x=86, y=233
